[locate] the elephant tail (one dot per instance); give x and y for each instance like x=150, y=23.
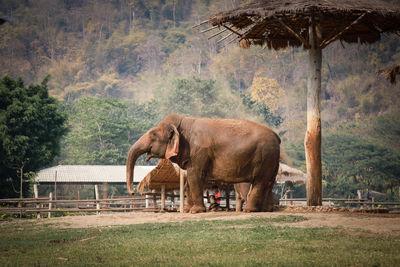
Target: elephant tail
x=283, y=157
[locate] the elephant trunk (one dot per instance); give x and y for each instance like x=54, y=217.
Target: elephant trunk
x=139, y=148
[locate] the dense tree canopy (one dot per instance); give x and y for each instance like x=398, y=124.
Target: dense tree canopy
x=102, y=130
x=351, y=163
x=31, y=127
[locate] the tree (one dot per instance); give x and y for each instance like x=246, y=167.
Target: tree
x=103, y=129
x=351, y=163
x=31, y=127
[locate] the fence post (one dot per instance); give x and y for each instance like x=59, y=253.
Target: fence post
x=154, y=198
x=163, y=197
x=181, y=190
x=373, y=200
x=147, y=201
x=35, y=191
x=50, y=204
x=227, y=193
x=291, y=196
x=96, y=192
x=173, y=199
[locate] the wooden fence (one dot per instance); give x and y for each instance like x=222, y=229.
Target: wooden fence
x=339, y=202
x=149, y=202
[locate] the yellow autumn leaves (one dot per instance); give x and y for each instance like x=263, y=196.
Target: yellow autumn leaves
x=267, y=90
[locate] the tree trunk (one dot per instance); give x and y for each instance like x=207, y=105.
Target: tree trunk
x=312, y=141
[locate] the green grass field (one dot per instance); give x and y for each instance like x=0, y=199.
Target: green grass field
x=249, y=242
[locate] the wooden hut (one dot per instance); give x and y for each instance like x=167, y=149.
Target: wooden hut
x=289, y=174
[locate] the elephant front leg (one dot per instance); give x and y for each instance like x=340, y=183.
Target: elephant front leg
x=254, y=199
x=196, y=190
x=239, y=203
x=239, y=199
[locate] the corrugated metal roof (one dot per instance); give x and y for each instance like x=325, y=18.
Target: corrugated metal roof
x=90, y=174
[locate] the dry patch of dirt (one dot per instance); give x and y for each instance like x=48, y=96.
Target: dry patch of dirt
x=376, y=223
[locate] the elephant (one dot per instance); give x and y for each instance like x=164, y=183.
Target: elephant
x=225, y=150
x=242, y=190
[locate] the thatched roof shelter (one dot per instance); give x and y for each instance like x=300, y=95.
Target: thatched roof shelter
x=390, y=73
x=279, y=24
x=167, y=173
x=313, y=24
x=289, y=174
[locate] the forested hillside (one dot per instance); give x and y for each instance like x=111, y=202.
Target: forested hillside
x=118, y=67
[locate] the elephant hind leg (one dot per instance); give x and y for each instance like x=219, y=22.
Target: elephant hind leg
x=260, y=196
x=268, y=201
x=255, y=198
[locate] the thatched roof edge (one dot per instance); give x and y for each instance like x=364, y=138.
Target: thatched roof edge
x=269, y=8
x=390, y=73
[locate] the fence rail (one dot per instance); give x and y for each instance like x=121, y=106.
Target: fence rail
x=48, y=205
x=344, y=201
x=150, y=202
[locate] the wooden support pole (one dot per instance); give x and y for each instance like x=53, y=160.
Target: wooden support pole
x=36, y=193
x=162, y=197
x=50, y=204
x=55, y=186
x=79, y=197
x=232, y=30
x=147, y=204
x=312, y=141
x=291, y=196
x=220, y=40
x=96, y=192
x=181, y=190
x=154, y=198
x=215, y=34
x=227, y=199
x=104, y=189
x=201, y=23
x=209, y=29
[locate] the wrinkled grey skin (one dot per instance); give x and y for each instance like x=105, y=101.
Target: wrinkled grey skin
x=226, y=150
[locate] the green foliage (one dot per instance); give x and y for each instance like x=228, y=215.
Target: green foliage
x=31, y=128
x=273, y=120
x=195, y=97
x=351, y=163
x=103, y=129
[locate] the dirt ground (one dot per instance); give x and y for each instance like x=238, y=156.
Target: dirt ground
x=388, y=224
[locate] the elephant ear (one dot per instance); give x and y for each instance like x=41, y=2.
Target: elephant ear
x=173, y=144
